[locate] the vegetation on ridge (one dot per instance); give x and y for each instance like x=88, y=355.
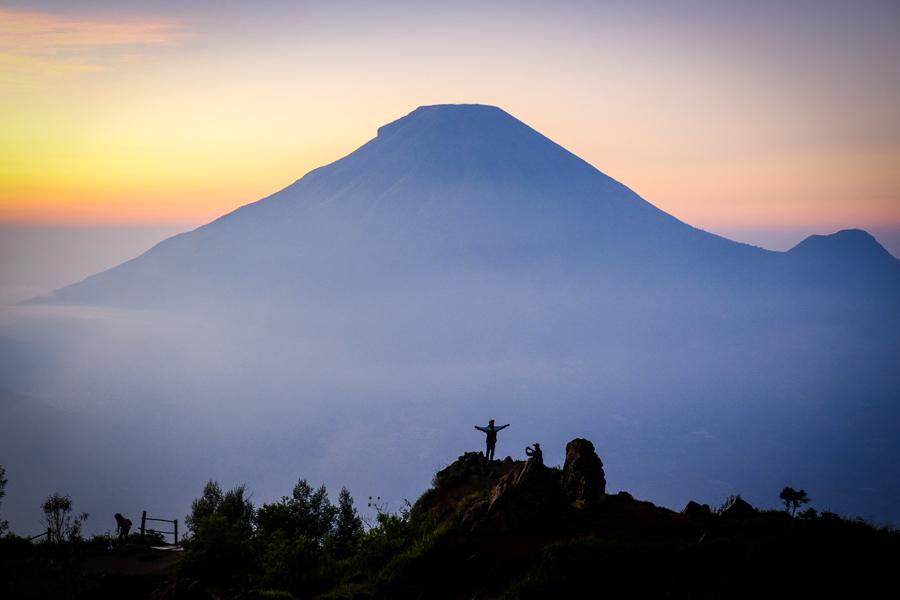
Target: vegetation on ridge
x=499, y=529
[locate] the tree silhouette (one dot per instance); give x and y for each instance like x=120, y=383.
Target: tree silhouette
x=348, y=527
x=793, y=499
x=63, y=526
x=307, y=513
x=204, y=506
x=222, y=525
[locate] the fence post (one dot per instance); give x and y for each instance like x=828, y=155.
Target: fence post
x=143, y=523
x=176, y=532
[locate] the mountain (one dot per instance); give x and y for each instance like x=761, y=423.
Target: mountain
x=461, y=266
x=444, y=187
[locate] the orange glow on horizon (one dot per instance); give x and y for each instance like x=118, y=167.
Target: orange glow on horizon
x=137, y=119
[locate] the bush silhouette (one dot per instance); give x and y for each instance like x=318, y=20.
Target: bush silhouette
x=303, y=538
x=302, y=543
x=4, y=525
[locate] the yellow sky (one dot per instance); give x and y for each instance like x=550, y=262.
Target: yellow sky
x=178, y=117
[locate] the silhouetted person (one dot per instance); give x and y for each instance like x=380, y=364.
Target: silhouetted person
x=491, y=431
x=123, y=526
x=535, y=453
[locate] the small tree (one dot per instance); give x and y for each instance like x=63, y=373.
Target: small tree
x=204, y=506
x=62, y=525
x=306, y=513
x=222, y=527
x=793, y=499
x=4, y=525
x=314, y=511
x=348, y=527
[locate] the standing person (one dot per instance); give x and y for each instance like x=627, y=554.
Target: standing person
x=535, y=453
x=123, y=526
x=491, y=431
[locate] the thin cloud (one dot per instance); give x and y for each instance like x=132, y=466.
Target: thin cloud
x=62, y=42
x=38, y=32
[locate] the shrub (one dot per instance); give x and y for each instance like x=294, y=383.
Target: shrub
x=293, y=564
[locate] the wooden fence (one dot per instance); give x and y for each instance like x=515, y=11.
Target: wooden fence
x=144, y=529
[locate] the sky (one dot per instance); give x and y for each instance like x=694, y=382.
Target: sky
x=759, y=121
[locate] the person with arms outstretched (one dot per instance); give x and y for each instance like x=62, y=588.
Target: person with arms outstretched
x=491, y=431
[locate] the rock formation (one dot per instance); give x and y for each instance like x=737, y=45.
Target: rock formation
x=695, y=510
x=583, y=480
x=528, y=495
x=506, y=495
x=739, y=509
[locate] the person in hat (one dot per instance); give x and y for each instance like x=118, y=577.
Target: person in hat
x=535, y=453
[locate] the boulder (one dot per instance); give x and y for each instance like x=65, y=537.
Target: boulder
x=583, y=480
x=468, y=466
x=695, y=510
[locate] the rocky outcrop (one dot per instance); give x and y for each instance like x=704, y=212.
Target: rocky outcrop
x=495, y=496
x=739, y=509
x=695, y=510
x=461, y=489
x=583, y=480
x=527, y=496
x=468, y=466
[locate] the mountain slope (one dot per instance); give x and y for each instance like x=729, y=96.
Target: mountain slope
x=444, y=187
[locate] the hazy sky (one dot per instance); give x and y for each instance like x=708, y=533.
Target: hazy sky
x=753, y=117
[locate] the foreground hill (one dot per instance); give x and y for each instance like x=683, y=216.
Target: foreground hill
x=521, y=530
x=500, y=529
